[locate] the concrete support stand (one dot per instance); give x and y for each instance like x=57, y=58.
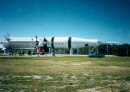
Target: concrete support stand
x=71, y=51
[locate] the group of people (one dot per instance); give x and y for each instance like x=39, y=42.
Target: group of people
x=21, y=53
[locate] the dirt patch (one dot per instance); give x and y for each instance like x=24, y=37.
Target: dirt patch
x=89, y=90
x=37, y=77
x=79, y=64
x=48, y=78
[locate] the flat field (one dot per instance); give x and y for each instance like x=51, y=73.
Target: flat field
x=64, y=74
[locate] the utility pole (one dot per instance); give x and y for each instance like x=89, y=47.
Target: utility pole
x=32, y=45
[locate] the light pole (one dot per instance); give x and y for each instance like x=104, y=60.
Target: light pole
x=32, y=45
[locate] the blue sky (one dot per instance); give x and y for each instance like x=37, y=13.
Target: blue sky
x=106, y=20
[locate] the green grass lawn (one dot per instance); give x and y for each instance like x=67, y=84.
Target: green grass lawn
x=64, y=74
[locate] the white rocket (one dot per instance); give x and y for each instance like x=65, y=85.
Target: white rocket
x=49, y=42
